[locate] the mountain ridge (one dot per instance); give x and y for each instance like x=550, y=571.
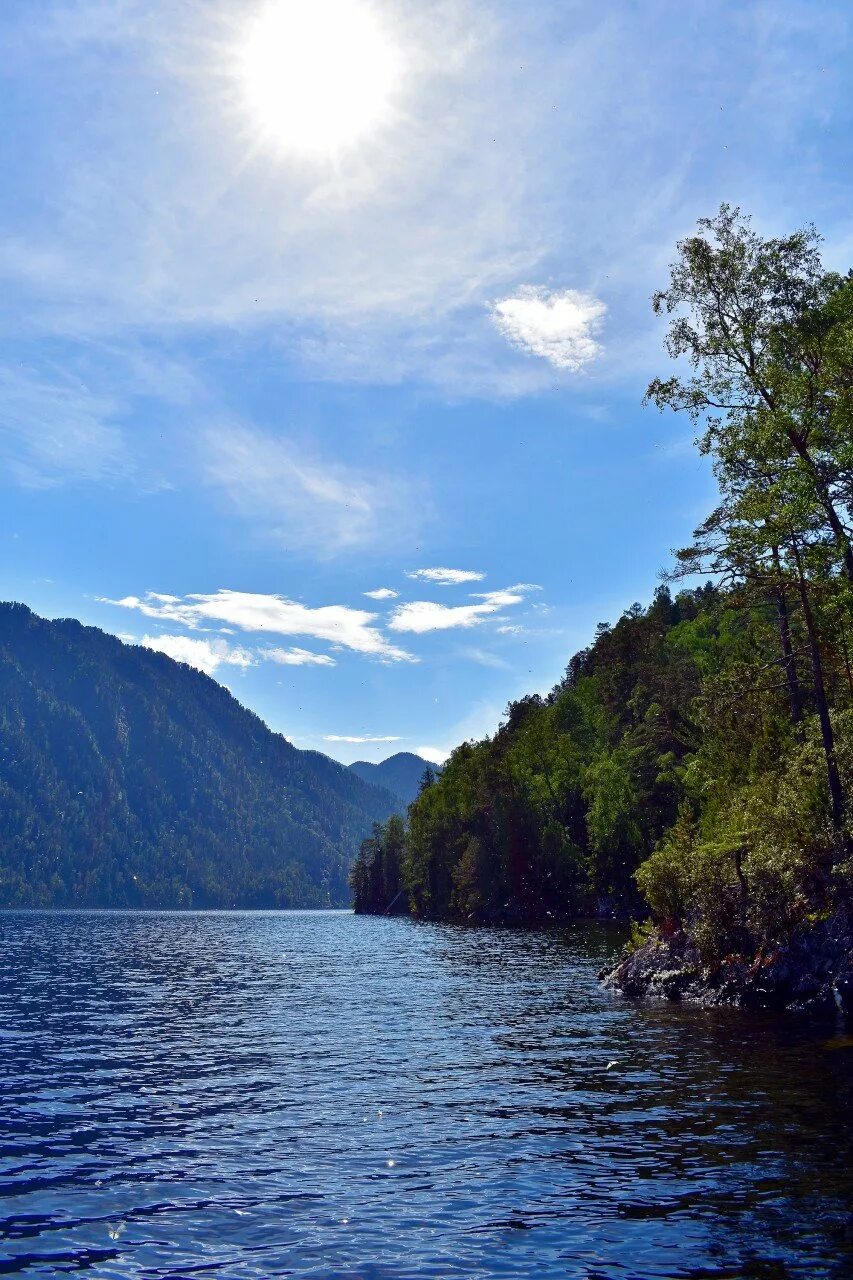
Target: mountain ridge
x=128, y=779
x=401, y=774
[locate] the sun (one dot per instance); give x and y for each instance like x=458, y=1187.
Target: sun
x=318, y=76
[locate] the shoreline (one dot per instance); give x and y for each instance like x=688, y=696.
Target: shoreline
x=809, y=972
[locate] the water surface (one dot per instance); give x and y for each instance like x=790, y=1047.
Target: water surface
x=313, y=1094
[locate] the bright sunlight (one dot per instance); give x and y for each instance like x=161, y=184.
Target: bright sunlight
x=318, y=76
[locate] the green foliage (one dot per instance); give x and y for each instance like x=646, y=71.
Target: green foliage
x=376, y=878
x=640, y=932
x=548, y=819
x=700, y=751
x=127, y=779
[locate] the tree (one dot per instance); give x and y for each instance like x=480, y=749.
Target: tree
x=769, y=336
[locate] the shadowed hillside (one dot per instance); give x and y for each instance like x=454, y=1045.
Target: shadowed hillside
x=128, y=779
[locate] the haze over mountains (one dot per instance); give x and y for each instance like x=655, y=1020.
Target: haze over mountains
x=128, y=779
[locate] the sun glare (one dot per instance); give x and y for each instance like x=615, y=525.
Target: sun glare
x=318, y=76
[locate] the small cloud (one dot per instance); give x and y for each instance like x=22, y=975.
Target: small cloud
x=510, y=629
x=298, y=658
x=485, y=659
x=495, y=600
x=559, y=327
x=435, y=755
x=360, y=740
x=382, y=593
x=420, y=616
x=204, y=655
x=446, y=577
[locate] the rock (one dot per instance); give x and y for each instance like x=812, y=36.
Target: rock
x=810, y=971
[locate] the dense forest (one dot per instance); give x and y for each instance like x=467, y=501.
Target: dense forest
x=127, y=779
x=695, y=763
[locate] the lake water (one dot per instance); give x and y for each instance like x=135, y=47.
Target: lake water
x=298, y=1094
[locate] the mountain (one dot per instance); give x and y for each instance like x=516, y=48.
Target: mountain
x=400, y=774
x=128, y=779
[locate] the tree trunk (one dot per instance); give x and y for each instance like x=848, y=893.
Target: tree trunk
x=788, y=660
x=742, y=885
x=825, y=500
x=836, y=791
x=846, y=652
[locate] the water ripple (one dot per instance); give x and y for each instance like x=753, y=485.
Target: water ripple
x=255, y=1095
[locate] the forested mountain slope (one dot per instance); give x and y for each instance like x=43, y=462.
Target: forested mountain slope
x=550, y=818
x=401, y=774
x=127, y=779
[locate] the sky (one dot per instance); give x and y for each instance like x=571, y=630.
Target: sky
x=325, y=328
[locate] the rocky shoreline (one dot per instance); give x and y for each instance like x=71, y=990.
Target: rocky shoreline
x=810, y=972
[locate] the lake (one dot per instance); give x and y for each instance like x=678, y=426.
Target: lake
x=315, y=1094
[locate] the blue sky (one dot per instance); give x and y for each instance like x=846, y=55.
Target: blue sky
x=296, y=309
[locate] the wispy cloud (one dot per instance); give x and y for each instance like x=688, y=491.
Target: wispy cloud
x=296, y=657
x=484, y=658
x=382, y=593
x=361, y=738
x=53, y=428
x=303, y=498
x=169, y=215
x=516, y=126
x=420, y=616
x=336, y=624
x=560, y=327
x=205, y=226
x=205, y=655
x=446, y=577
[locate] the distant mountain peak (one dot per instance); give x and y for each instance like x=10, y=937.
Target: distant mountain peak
x=401, y=774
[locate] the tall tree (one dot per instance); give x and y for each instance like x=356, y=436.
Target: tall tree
x=769, y=336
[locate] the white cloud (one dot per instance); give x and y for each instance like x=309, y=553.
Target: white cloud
x=304, y=499
x=296, y=657
x=446, y=577
x=205, y=655
x=435, y=755
x=420, y=616
x=424, y=615
x=382, y=593
x=248, y=611
x=355, y=738
x=560, y=327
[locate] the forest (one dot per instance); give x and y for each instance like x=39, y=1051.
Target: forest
x=130, y=780
x=693, y=769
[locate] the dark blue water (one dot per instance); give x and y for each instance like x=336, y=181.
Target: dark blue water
x=235, y=1095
